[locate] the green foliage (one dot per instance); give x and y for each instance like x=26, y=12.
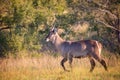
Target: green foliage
x=3, y=44
x=9, y=43
x=30, y=20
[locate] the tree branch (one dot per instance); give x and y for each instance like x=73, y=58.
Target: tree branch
x=107, y=25
x=4, y=28
x=110, y=13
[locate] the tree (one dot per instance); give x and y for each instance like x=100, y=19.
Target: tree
x=26, y=22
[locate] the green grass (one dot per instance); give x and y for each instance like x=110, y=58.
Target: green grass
x=48, y=68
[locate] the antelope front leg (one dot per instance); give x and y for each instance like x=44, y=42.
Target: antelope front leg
x=62, y=63
x=70, y=61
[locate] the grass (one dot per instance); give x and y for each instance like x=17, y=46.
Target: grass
x=48, y=67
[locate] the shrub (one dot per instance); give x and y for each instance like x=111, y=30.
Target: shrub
x=9, y=43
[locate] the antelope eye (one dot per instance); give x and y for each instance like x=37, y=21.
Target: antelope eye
x=53, y=31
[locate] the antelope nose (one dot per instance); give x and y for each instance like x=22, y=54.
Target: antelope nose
x=47, y=39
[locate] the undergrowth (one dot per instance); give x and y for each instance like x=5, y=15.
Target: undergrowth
x=47, y=67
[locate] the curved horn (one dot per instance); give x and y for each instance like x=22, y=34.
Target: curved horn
x=54, y=26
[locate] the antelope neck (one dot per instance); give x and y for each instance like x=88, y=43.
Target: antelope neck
x=58, y=41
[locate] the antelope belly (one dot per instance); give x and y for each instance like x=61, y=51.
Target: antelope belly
x=80, y=54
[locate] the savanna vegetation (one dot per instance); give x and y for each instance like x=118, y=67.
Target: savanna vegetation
x=24, y=24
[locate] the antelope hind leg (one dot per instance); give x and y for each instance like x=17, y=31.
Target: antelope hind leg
x=100, y=61
x=104, y=64
x=92, y=62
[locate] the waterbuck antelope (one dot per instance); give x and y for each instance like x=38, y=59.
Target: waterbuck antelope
x=77, y=49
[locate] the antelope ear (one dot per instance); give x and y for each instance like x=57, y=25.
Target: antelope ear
x=54, y=29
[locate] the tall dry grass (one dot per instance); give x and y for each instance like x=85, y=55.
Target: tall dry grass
x=47, y=67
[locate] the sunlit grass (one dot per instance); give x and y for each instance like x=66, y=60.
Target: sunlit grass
x=48, y=68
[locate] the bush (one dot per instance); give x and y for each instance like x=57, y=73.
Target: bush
x=9, y=43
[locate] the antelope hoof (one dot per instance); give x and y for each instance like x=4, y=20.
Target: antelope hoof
x=106, y=69
x=67, y=70
x=91, y=71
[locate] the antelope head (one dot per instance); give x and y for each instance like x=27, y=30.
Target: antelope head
x=51, y=35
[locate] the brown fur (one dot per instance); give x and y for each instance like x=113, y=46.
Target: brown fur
x=77, y=49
